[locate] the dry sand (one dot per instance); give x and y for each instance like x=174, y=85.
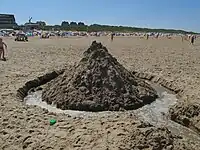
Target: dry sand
x=27, y=127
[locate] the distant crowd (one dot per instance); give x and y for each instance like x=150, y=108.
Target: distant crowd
x=10, y=32
x=47, y=34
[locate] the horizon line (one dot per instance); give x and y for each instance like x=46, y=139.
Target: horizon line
x=129, y=26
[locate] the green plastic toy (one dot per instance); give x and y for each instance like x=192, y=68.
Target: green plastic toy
x=52, y=122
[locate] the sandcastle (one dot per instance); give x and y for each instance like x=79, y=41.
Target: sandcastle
x=98, y=83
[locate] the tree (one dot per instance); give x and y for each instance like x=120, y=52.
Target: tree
x=41, y=23
x=73, y=26
x=81, y=24
x=73, y=23
x=65, y=24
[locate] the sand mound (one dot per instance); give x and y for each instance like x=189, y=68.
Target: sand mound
x=98, y=83
x=155, y=139
x=187, y=115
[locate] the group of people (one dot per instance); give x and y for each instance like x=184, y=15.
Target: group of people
x=3, y=46
x=190, y=38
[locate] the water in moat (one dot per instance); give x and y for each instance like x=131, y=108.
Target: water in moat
x=155, y=113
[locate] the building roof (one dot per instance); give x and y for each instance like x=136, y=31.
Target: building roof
x=31, y=24
x=7, y=21
x=6, y=15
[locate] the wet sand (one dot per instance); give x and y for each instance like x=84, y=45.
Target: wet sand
x=27, y=127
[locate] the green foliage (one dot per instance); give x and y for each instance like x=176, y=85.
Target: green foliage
x=73, y=26
x=65, y=24
x=41, y=23
x=80, y=26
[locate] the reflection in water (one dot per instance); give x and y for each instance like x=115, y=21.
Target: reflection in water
x=155, y=113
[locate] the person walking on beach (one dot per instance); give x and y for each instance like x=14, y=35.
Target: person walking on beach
x=112, y=36
x=147, y=36
x=182, y=38
x=2, y=50
x=192, y=38
x=157, y=35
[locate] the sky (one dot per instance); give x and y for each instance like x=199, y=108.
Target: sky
x=170, y=14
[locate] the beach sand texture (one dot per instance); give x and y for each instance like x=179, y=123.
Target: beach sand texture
x=27, y=127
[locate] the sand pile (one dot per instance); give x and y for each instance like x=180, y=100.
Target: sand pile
x=98, y=83
x=187, y=115
x=155, y=139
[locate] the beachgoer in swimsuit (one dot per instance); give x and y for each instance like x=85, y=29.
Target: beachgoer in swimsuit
x=192, y=39
x=147, y=36
x=2, y=50
x=157, y=35
x=112, y=36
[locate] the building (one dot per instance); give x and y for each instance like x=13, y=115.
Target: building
x=7, y=21
x=31, y=26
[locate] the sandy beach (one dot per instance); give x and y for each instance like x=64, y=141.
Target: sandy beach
x=27, y=127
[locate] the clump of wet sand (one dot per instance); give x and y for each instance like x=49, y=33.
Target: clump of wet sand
x=155, y=139
x=187, y=115
x=98, y=83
